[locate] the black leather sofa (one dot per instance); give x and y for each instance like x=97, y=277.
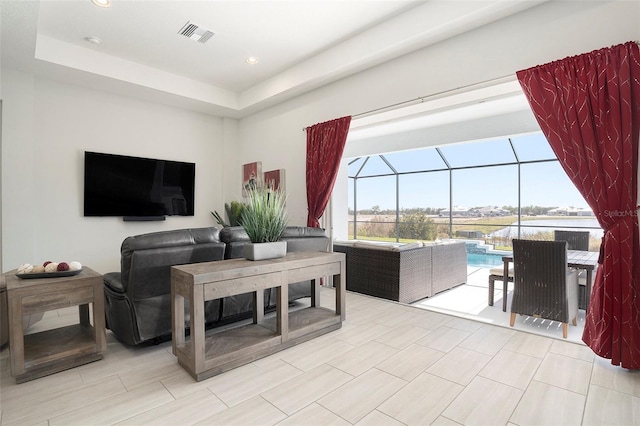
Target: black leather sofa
x=138, y=298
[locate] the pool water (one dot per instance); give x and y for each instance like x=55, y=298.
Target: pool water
x=484, y=260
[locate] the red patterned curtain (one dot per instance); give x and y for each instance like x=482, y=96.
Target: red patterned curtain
x=588, y=107
x=325, y=144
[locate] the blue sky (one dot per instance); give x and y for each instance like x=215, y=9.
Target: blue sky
x=543, y=184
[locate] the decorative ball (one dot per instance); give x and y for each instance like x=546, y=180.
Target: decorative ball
x=25, y=268
x=63, y=266
x=51, y=267
x=38, y=269
x=75, y=266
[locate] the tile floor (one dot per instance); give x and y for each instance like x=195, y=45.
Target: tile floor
x=389, y=364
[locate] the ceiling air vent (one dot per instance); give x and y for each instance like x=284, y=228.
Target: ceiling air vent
x=195, y=32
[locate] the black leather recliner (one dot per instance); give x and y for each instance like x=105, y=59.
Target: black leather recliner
x=138, y=298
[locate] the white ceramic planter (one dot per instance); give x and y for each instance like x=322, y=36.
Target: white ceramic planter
x=262, y=251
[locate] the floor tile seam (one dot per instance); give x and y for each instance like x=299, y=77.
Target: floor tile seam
x=272, y=386
x=148, y=409
x=593, y=358
x=524, y=392
x=161, y=391
x=464, y=387
x=448, y=418
x=352, y=377
x=222, y=400
x=525, y=354
x=176, y=397
x=261, y=397
x=386, y=359
x=67, y=412
x=286, y=416
x=317, y=401
x=585, y=395
x=168, y=390
x=358, y=375
x=615, y=390
x=386, y=415
x=395, y=347
x=556, y=386
x=504, y=384
x=530, y=380
x=406, y=383
x=513, y=410
x=603, y=386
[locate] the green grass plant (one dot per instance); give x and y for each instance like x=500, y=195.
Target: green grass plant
x=264, y=216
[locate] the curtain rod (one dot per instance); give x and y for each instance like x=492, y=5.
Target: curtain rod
x=421, y=99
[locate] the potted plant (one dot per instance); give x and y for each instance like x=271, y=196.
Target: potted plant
x=234, y=212
x=264, y=218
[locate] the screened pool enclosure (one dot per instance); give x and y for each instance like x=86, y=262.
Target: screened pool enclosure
x=491, y=190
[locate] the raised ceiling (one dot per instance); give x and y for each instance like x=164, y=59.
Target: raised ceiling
x=300, y=45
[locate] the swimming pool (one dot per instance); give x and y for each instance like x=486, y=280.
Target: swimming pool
x=486, y=260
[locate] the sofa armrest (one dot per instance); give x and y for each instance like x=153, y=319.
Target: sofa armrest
x=113, y=281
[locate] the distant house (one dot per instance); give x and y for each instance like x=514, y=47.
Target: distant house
x=570, y=211
x=493, y=211
x=460, y=211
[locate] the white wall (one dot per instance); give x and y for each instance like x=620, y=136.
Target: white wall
x=548, y=32
x=48, y=126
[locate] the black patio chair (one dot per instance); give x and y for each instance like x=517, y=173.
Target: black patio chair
x=544, y=287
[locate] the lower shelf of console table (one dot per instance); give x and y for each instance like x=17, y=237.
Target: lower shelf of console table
x=206, y=354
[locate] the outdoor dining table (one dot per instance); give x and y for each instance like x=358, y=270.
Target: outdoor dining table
x=578, y=259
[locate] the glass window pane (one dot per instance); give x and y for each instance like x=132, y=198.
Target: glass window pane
x=428, y=191
x=422, y=196
x=376, y=193
x=485, y=187
x=532, y=147
x=485, y=201
x=479, y=153
x=375, y=166
x=354, y=166
x=376, y=207
x=418, y=160
x=550, y=201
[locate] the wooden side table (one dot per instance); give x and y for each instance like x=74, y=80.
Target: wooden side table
x=47, y=352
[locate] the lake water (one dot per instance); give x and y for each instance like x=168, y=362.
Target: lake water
x=550, y=224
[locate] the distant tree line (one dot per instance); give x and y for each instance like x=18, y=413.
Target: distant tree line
x=431, y=211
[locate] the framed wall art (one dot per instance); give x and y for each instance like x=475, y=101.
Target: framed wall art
x=251, y=176
x=275, y=179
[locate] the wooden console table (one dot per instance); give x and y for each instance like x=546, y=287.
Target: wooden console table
x=47, y=352
x=207, y=354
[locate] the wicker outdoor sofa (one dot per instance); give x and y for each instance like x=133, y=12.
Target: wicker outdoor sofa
x=403, y=272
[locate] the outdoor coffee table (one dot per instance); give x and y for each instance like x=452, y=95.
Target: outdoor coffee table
x=205, y=354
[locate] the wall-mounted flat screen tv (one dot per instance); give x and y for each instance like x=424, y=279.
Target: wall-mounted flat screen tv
x=135, y=187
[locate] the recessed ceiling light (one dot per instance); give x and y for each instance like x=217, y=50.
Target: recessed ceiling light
x=93, y=39
x=102, y=3
x=251, y=60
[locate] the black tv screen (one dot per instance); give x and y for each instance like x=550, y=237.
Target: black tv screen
x=119, y=185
